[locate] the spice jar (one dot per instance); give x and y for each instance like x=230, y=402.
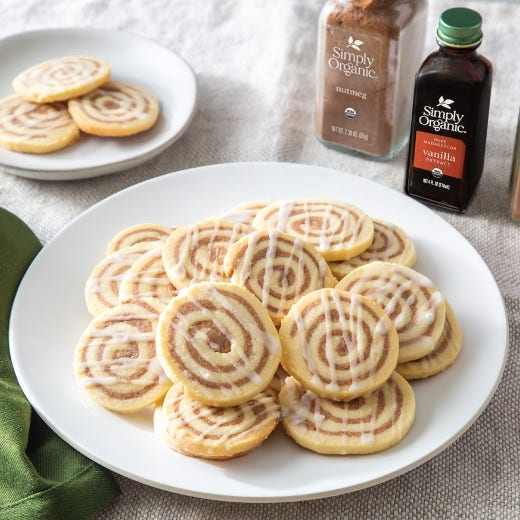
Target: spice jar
x=450, y=115
x=514, y=198
x=368, y=54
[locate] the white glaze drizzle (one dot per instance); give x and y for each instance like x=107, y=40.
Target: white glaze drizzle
x=273, y=236
x=329, y=353
x=284, y=212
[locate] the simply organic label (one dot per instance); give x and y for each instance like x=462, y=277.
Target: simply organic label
x=354, y=93
x=436, y=152
x=356, y=58
x=443, y=117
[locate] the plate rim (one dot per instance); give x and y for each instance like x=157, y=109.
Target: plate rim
x=48, y=172
x=257, y=498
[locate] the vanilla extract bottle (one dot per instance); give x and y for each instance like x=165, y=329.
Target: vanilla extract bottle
x=450, y=115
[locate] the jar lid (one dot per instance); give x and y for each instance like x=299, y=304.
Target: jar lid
x=460, y=27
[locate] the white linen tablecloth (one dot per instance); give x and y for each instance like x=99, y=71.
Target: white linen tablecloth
x=254, y=63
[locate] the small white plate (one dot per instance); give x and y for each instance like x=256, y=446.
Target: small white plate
x=49, y=315
x=132, y=59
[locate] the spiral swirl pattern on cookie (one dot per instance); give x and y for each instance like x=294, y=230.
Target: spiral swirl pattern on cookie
x=277, y=268
x=104, y=282
x=115, y=109
x=414, y=304
x=390, y=244
x=146, y=278
x=35, y=128
x=138, y=233
x=196, y=253
x=218, y=340
x=367, y=424
x=336, y=229
x=61, y=78
x=210, y=432
x=444, y=354
x=115, y=360
x=337, y=344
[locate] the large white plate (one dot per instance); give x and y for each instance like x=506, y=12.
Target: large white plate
x=132, y=59
x=49, y=315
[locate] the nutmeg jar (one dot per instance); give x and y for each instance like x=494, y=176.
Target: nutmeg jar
x=368, y=54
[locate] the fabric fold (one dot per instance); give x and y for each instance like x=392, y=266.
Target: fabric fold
x=41, y=475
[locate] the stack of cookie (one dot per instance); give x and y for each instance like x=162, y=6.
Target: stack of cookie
x=234, y=323
x=57, y=99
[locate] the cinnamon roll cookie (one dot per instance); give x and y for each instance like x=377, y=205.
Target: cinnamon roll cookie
x=414, y=304
x=277, y=268
x=115, y=359
x=211, y=432
x=61, y=78
x=115, y=109
x=34, y=128
x=196, y=253
x=337, y=344
x=218, y=340
x=104, y=282
x=337, y=230
x=390, y=244
x=367, y=424
x=138, y=233
x=444, y=354
x=146, y=278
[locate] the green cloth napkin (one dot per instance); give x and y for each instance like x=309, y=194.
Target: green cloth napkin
x=41, y=476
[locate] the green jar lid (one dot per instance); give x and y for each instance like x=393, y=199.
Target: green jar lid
x=460, y=27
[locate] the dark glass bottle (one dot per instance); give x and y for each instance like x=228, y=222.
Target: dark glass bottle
x=450, y=115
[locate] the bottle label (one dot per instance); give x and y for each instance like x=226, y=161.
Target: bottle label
x=354, y=91
x=439, y=154
x=352, y=60
x=439, y=149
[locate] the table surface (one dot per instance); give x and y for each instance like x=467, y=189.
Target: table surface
x=254, y=65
